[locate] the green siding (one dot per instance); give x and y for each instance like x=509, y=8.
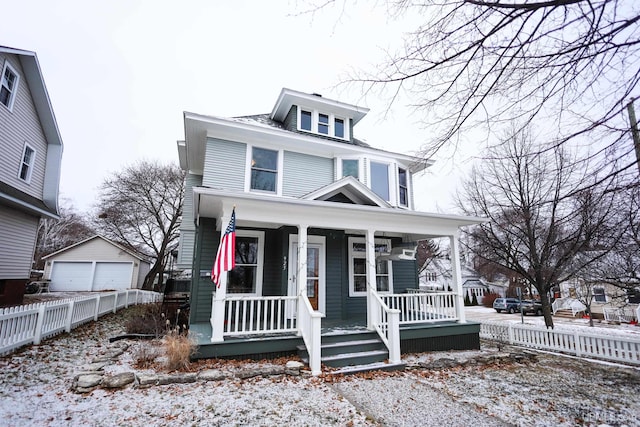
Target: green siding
x=224, y=164
x=405, y=276
x=272, y=271
x=304, y=173
x=207, y=239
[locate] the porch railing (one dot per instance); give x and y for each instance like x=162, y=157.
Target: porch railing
x=421, y=307
x=310, y=328
x=386, y=321
x=259, y=315
x=621, y=314
x=568, y=303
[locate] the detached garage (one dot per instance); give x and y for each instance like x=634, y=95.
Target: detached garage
x=95, y=264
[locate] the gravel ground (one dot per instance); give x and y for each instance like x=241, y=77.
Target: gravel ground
x=35, y=390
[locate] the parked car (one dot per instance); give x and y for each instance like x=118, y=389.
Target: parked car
x=531, y=306
x=510, y=305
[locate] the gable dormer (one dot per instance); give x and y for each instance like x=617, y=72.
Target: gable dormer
x=313, y=114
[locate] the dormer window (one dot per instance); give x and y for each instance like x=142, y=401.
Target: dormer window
x=403, y=192
x=322, y=123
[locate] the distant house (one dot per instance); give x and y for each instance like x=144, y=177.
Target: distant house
x=436, y=276
x=95, y=264
x=326, y=235
x=30, y=159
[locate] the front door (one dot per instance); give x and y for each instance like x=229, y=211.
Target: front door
x=315, y=270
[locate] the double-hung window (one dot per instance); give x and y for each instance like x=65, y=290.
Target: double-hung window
x=26, y=165
x=380, y=179
x=358, y=266
x=599, y=295
x=403, y=192
x=8, y=86
x=246, y=277
x=264, y=169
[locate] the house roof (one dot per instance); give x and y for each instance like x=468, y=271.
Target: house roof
x=97, y=236
x=34, y=78
x=352, y=189
x=255, y=129
x=274, y=211
x=290, y=97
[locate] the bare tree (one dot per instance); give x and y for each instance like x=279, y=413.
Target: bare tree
x=141, y=208
x=427, y=250
x=539, y=219
x=478, y=64
x=56, y=234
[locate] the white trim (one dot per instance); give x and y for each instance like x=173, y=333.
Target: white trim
x=351, y=241
x=14, y=91
x=322, y=283
x=260, y=264
x=348, y=184
x=30, y=165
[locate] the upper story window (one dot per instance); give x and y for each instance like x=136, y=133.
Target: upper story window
x=322, y=123
x=380, y=179
x=8, y=86
x=264, y=169
x=351, y=167
x=403, y=192
x=26, y=165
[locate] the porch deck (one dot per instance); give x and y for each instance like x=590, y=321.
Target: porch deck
x=414, y=338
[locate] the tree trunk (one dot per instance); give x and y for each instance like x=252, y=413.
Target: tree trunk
x=153, y=273
x=546, y=310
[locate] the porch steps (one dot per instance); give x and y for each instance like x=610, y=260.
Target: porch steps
x=352, y=352
x=565, y=313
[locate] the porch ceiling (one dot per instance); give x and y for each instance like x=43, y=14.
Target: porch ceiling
x=274, y=211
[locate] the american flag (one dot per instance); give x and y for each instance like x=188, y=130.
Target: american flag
x=226, y=257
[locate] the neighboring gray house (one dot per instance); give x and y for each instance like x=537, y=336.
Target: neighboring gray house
x=30, y=159
x=326, y=238
x=95, y=264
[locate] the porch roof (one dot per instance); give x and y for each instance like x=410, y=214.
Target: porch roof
x=263, y=210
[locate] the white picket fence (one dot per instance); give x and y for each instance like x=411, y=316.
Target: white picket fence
x=589, y=345
x=30, y=324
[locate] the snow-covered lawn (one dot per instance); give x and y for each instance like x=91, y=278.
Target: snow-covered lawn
x=35, y=391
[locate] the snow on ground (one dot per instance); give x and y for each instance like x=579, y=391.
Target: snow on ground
x=554, y=391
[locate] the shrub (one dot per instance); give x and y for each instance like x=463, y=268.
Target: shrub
x=489, y=299
x=467, y=301
x=145, y=355
x=474, y=300
x=179, y=348
x=146, y=319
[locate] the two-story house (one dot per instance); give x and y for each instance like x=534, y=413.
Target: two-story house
x=30, y=159
x=325, y=240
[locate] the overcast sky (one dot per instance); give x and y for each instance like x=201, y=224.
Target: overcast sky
x=121, y=73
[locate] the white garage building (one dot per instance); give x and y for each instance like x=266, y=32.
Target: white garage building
x=95, y=264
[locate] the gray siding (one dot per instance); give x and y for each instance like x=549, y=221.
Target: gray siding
x=187, y=227
x=405, y=276
x=291, y=121
x=224, y=164
x=21, y=125
x=17, y=240
x=304, y=173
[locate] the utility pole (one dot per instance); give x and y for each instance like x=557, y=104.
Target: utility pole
x=634, y=130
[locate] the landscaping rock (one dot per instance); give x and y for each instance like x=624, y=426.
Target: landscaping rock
x=118, y=380
x=293, y=367
x=87, y=382
x=94, y=367
x=181, y=378
x=212, y=375
x=443, y=363
x=147, y=380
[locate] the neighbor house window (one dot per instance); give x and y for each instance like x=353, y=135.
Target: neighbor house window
x=8, y=86
x=26, y=166
x=305, y=120
x=351, y=167
x=403, y=193
x=380, y=179
x=358, y=266
x=264, y=169
x=598, y=295
x=246, y=277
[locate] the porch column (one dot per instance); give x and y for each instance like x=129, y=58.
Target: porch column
x=219, y=295
x=456, y=276
x=372, y=313
x=301, y=271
